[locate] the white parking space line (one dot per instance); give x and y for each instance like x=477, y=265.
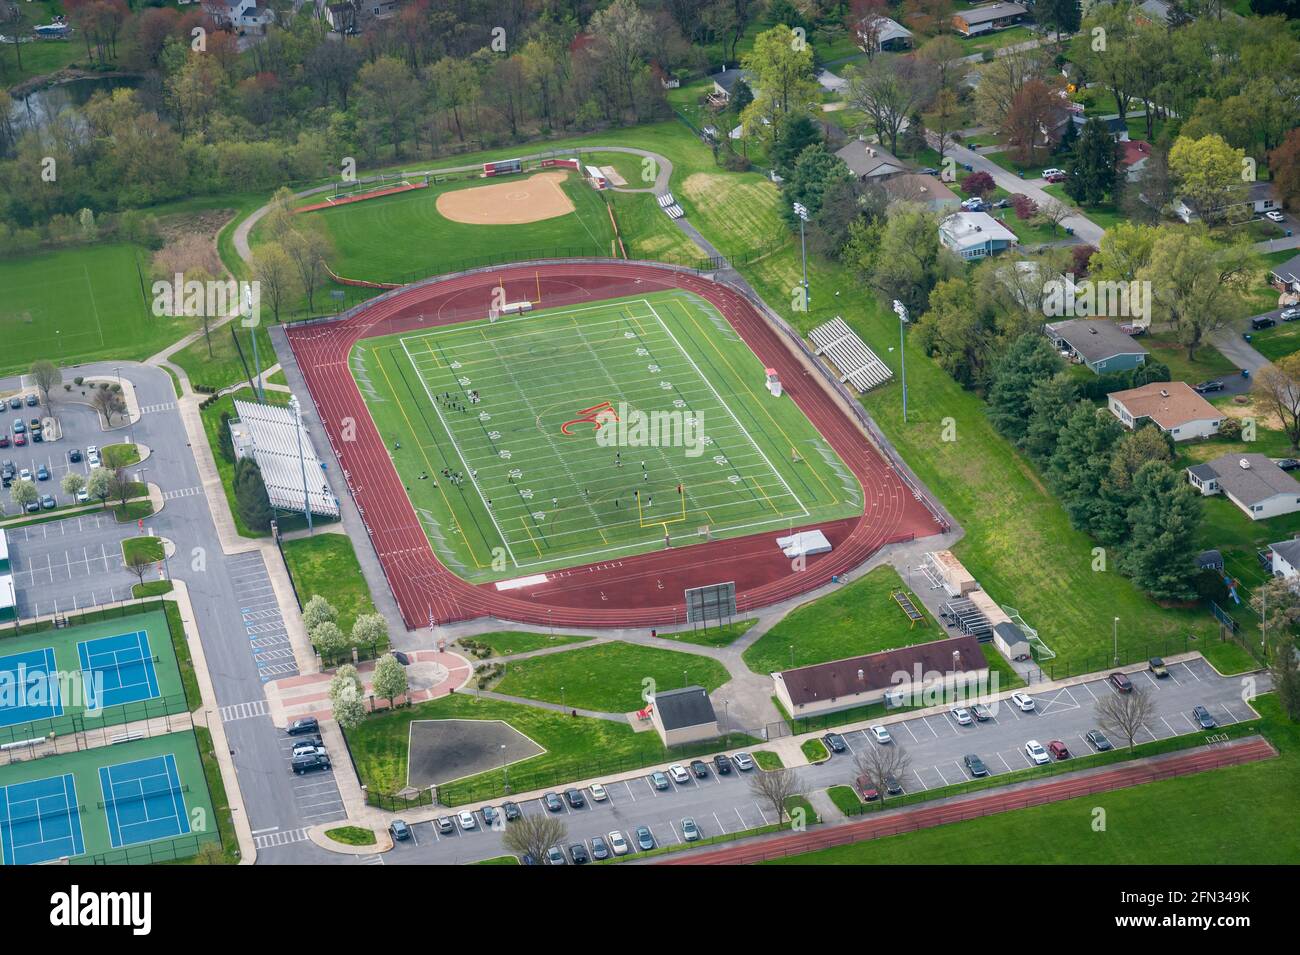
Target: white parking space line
x=1172, y=731
x=719, y=822
x=1231, y=718
x=926, y=721
x=628, y=786
x=909, y=731
x=1193, y=673
x=1004, y=761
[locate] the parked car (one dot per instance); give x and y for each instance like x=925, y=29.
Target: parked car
x=679, y=774
x=399, y=830
x=1262, y=322
x=598, y=793
x=20, y=440
x=881, y=735
x=1120, y=682
x=554, y=856
x=20, y=426
x=744, y=762
x=92, y=456
x=308, y=746
x=306, y=764
x=25, y=474
x=1058, y=749
x=893, y=786
x=1207, y=387
x=835, y=743
x=1058, y=176
x=578, y=853
x=16, y=401
x=1157, y=667
x=42, y=473
x=1288, y=464
x=645, y=839
x=690, y=831
x=700, y=768
x=982, y=713
x=1052, y=171
x=83, y=496
x=48, y=502
x=511, y=811
x=617, y=844
x=659, y=781
x=1037, y=755
x=1098, y=739
x=1023, y=701
x=467, y=820
x=868, y=790
x=1289, y=314
x=975, y=765
x=599, y=849
x=74, y=456
x=722, y=762
x=307, y=724
x=1203, y=717
x=490, y=816
x=962, y=716
x=445, y=825
x=32, y=401
x=552, y=802
x=1274, y=216
x=574, y=798
x=4, y=440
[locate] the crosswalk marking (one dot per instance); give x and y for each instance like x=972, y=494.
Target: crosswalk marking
x=284, y=838
x=243, y=711
x=182, y=492
x=162, y=406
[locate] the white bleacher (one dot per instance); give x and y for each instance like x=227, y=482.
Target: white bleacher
x=858, y=365
x=271, y=434
x=669, y=205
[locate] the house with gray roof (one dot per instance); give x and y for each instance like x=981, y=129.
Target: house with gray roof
x=1286, y=277
x=869, y=162
x=1286, y=559
x=1251, y=481
x=684, y=716
x=1101, y=345
x=985, y=19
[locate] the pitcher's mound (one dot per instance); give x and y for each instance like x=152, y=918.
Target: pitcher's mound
x=508, y=203
x=442, y=751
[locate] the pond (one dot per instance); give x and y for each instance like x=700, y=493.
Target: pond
x=37, y=108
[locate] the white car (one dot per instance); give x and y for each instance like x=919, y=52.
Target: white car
x=92, y=455
x=83, y=496
x=680, y=776
x=598, y=793
x=962, y=716
x=1053, y=171
x=25, y=474
x=1034, y=750
x=617, y=844
x=1274, y=216
x=467, y=820
x=1024, y=701
x=744, y=762
x=881, y=735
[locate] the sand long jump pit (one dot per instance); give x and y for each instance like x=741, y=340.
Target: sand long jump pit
x=508, y=203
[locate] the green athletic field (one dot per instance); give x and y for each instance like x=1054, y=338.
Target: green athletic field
x=77, y=304
x=85, y=805
x=530, y=497
x=390, y=238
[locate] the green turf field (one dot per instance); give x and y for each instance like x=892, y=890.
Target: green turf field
x=164, y=695
x=135, y=802
x=531, y=497
x=390, y=238
x=77, y=304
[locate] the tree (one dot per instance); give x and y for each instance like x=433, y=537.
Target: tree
x=1160, y=556
x=277, y=276
x=978, y=184
x=1051, y=401
x=531, y=835
x=251, y=498
x=624, y=34
x=955, y=333
x=1208, y=173
x=1028, y=361
x=1002, y=80
x=1278, y=388
x=1091, y=166
x=814, y=173
x=387, y=96
x=783, y=74
x=308, y=251
x=108, y=403
x=881, y=763
x=24, y=493
x=890, y=90
x=347, y=699
x=318, y=610
x=775, y=786
x=328, y=639
x=138, y=563
x=370, y=630
x=947, y=59
x=1277, y=602
x=46, y=375
x=796, y=132
x=1284, y=668
x=1284, y=166
x=910, y=260
x=1033, y=121
x=1126, y=714
x=1062, y=16
x=225, y=440
x=1052, y=212
x=99, y=485
x=390, y=679
x=1081, y=461
x=120, y=486
x=1125, y=251
x=1197, y=283
x=72, y=484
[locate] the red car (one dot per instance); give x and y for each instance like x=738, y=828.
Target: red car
x=1057, y=177
x=869, y=792
x=1120, y=682
x=1058, y=750
x=20, y=440
x=4, y=440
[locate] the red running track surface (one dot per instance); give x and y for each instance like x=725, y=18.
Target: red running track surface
x=644, y=590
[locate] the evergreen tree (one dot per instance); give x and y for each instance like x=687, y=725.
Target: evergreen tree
x=1060, y=16
x=1080, y=462
x=1091, y=165
x=795, y=133
x=1028, y=361
x=1131, y=452
x=1051, y=403
x=251, y=499
x=225, y=444
x=1285, y=670
x=1160, y=557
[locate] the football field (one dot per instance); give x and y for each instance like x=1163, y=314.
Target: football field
x=559, y=437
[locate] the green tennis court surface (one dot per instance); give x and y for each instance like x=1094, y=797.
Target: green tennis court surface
x=140, y=801
x=560, y=437
x=83, y=677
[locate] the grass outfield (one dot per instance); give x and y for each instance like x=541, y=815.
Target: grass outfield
x=76, y=304
x=610, y=677
x=1239, y=815
x=394, y=237
x=531, y=497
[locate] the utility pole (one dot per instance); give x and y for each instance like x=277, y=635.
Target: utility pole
x=901, y=311
x=1114, y=629
x=246, y=313
x=802, y=212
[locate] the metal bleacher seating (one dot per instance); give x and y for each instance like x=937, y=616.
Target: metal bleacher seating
x=858, y=365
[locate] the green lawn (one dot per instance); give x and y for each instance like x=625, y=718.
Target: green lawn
x=1105, y=214
x=1209, y=363
x=1241, y=815
x=220, y=365
x=995, y=40
x=814, y=750
x=326, y=564
x=352, y=835
x=505, y=642
x=150, y=548
x=120, y=456
x=857, y=619
x=1277, y=342
x=767, y=760
x=610, y=677
x=713, y=636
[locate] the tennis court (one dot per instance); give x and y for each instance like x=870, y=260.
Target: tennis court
x=143, y=800
x=29, y=687
x=118, y=669
x=40, y=820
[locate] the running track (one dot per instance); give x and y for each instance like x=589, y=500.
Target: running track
x=645, y=590
x=910, y=820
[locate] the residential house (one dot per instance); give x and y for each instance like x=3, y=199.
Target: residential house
x=869, y=162
x=683, y=716
x=1029, y=288
x=1285, y=559
x=1286, y=277
x=724, y=84
x=1260, y=198
x=876, y=33
x=1251, y=481
x=1118, y=128
x=990, y=17
x=897, y=674
x=925, y=190
x=1172, y=406
x=1101, y=345
x=1133, y=157
x=975, y=235
x=241, y=16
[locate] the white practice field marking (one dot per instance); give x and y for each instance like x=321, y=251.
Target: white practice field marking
x=638, y=357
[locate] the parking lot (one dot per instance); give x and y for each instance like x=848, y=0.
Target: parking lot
x=722, y=805
x=316, y=794
x=69, y=564
x=268, y=641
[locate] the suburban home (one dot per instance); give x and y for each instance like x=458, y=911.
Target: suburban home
x=869, y=162
x=1251, y=481
x=1029, y=288
x=925, y=190
x=1260, y=198
x=1286, y=277
x=1285, y=559
x=1101, y=345
x=975, y=235
x=684, y=716
x=242, y=16
x=857, y=681
x=724, y=84
x=876, y=33
x=1172, y=406
x=1160, y=13
x=985, y=19
x=1118, y=128
x=1133, y=157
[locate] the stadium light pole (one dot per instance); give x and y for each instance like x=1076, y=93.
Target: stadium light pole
x=901, y=310
x=802, y=212
x=246, y=312
x=302, y=462
x=1114, y=630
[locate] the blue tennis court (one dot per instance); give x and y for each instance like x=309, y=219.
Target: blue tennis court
x=144, y=800
x=29, y=687
x=40, y=821
x=118, y=670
